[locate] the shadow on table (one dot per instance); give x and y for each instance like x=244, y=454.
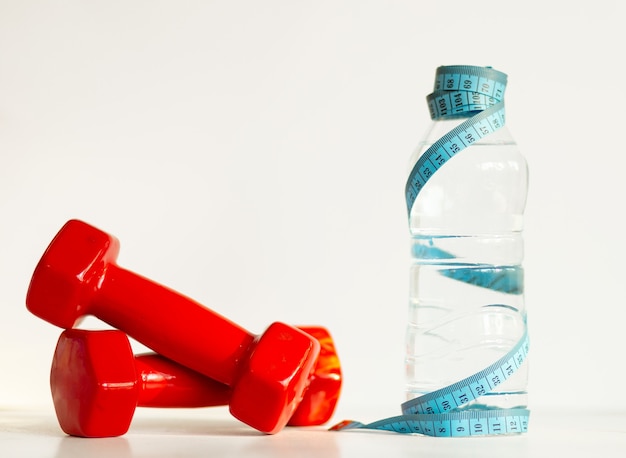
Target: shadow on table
x=166, y=436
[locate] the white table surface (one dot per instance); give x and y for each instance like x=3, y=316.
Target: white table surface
x=213, y=433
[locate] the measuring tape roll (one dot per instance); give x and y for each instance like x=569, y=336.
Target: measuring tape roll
x=461, y=91
x=476, y=93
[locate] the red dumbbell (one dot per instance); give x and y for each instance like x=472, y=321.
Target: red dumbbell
x=268, y=374
x=97, y=382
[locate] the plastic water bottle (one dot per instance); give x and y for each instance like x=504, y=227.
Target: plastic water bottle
x=466, y=304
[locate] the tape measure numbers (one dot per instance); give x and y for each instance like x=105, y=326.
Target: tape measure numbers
x=461, y=424
x=440, y=413
x=476, y=93
x=470, y=388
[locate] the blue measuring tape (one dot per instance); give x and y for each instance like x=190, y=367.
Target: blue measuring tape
x=476, y=93
x=440, y=413
x=460, y=91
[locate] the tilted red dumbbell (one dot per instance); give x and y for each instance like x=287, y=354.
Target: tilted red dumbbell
x=268, y=374
x=97, y=382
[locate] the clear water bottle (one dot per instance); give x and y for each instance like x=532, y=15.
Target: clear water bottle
x=466, y=304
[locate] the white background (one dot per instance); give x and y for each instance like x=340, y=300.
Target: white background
x=252, y=155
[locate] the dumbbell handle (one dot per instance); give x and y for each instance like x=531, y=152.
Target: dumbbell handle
x=163, y=383
x=171, y=324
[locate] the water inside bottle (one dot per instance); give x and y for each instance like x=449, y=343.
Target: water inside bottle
x=464, y=316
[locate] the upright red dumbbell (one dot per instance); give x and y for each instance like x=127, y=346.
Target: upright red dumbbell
x=97, y=382
x=267, y=373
